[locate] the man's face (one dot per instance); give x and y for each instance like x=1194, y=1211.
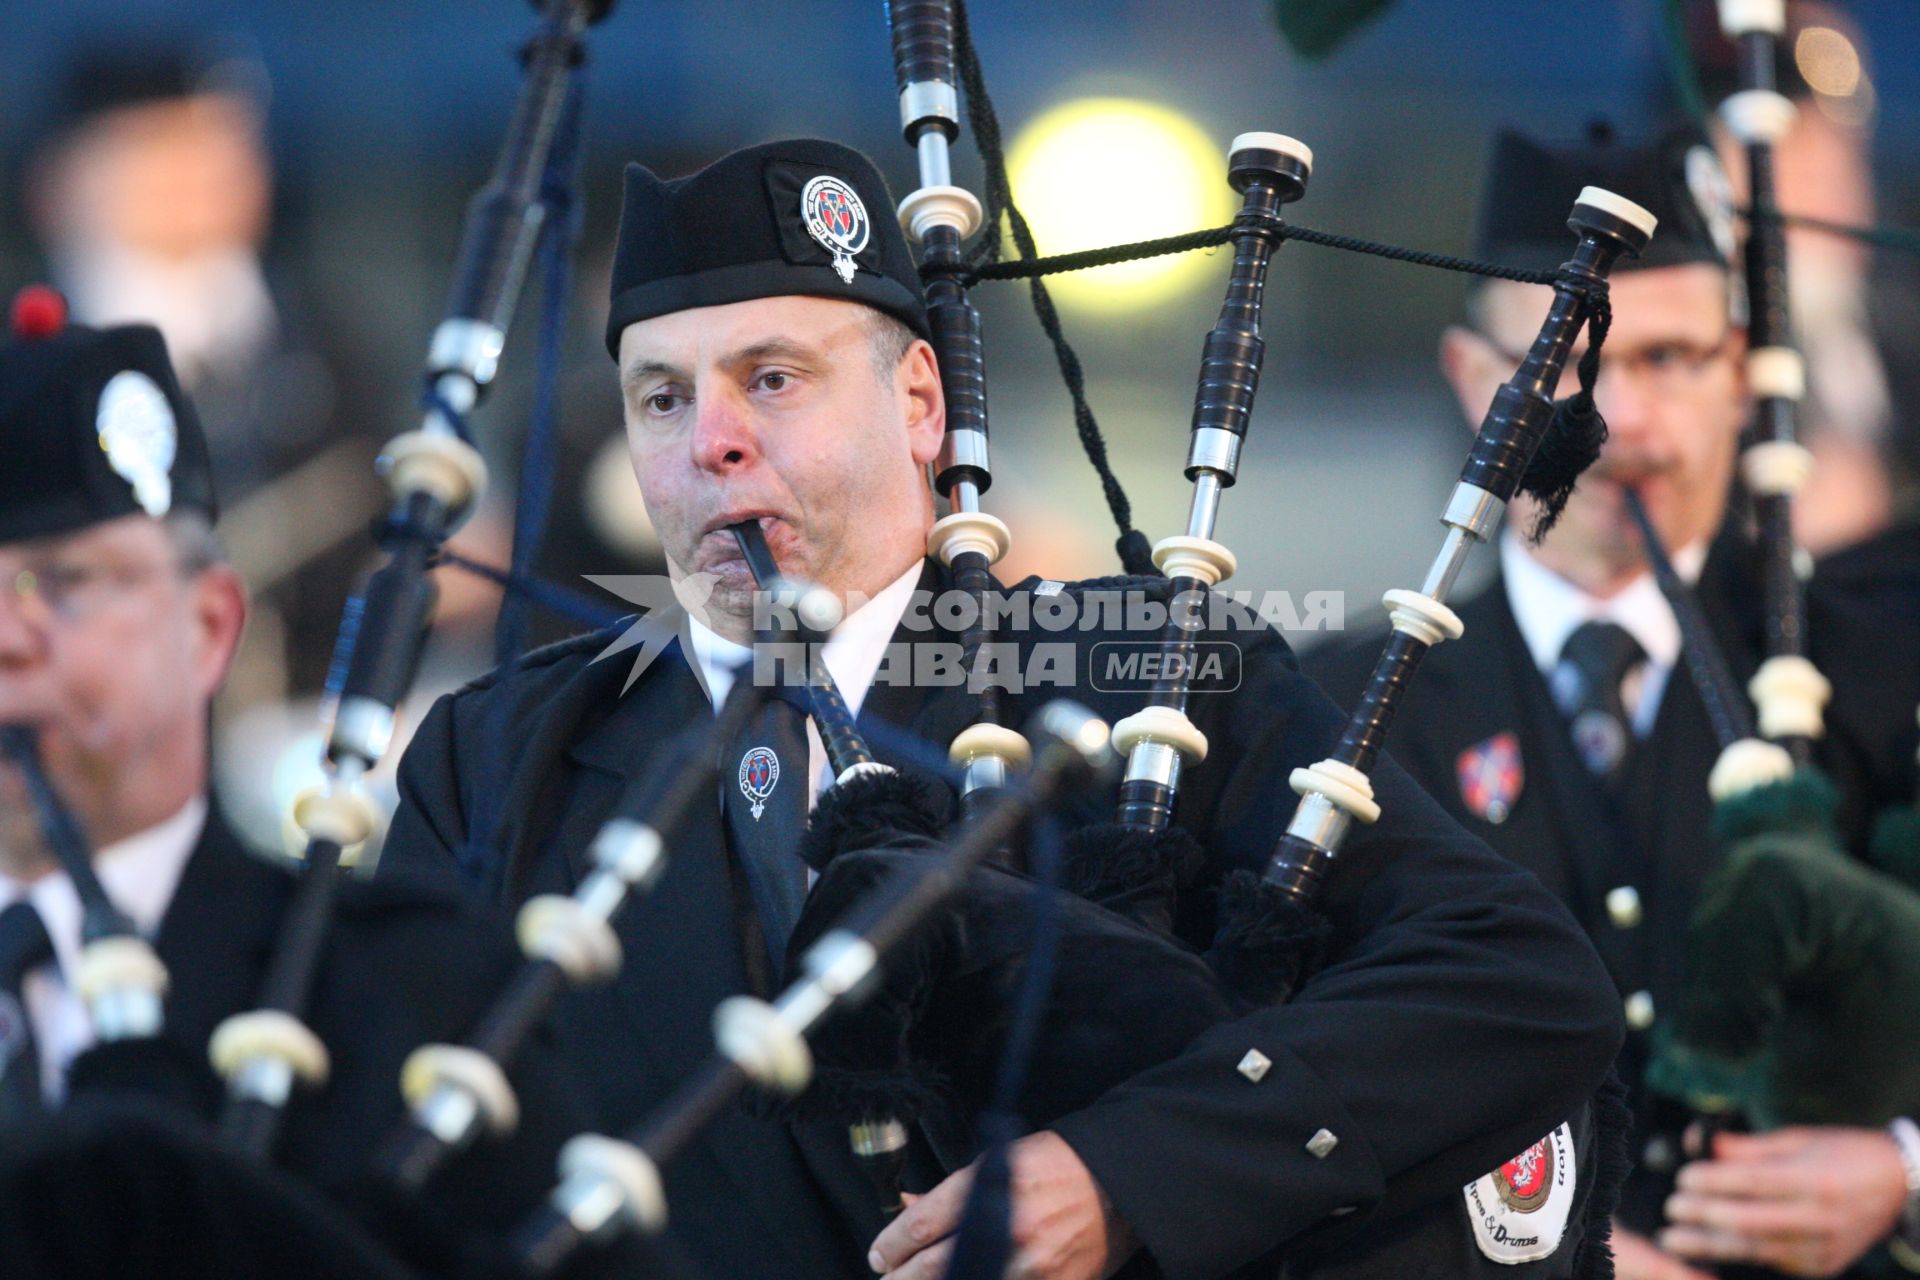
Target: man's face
x=111, y=648
x=777, y=409
x=175, y=179
x=1670, y=389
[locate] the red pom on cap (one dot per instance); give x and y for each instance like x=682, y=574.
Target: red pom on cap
x=38, y=312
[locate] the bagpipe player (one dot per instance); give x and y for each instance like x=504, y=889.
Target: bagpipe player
x=774, y=367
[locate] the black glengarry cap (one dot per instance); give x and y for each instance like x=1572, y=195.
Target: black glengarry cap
x=93, y=427
x=805, y=216
x=1531, y=186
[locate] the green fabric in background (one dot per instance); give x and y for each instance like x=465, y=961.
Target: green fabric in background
x=1802, y=1002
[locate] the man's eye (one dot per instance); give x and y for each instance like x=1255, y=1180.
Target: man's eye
x=775, y=381
x=1665, y=356
x=663, y=402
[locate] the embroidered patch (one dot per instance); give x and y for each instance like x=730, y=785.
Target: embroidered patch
x=836, y=218
x=137, y=432
x=759, y=775
x=1520, y=1210
x=1491, y=775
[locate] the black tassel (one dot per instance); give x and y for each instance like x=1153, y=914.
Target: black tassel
x=1266, y=940
x=873, y=811
x=1134, y=873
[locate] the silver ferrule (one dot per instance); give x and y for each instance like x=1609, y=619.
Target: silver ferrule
x=1319, y=822
x=965, y=447
x=362, y=730
x=467, y=347
x=1215, y=449
x=1473, y=509
x=601, y=894
x=594, y=1205
x=1154, y=762
x=1446, y=567
x=1205, y=509
x=877, y=1137
x=127, y=1013
x=264, y=1079
x=930, y=100
x=983, y=773
x=450, y=1114
x=835, y=965
x=964, y=496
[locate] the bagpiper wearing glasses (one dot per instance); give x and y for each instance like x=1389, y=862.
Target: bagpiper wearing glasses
x=1568, y=739
x=132, y=920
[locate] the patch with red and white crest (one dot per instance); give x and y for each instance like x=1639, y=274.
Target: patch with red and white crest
x=1491, y=776
x=1520, y=1210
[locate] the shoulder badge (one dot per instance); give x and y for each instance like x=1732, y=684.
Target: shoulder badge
x=1491, y=775
x=836, y=218
x=1520, y=1210
x=137, y=432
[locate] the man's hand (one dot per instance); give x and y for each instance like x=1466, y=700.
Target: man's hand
x=1063, y=1226
x=1807, y=1201
x=1636, y=1258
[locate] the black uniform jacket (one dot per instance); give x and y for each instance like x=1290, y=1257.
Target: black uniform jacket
x=1460, y=1017
x=1653, y=836
x=407, y=963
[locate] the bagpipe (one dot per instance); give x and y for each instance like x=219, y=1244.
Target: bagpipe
x=1775, y=1023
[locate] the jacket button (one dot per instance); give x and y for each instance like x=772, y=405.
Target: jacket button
x=1255, y=1065
x=1639, y=1007
x=1321, y=1144
x=1623, y=906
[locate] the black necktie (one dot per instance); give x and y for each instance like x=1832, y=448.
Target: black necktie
x=24, y=947
x=1594, y=663
x=766, y=776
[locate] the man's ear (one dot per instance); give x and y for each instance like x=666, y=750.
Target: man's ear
x=220, y=604
x=1465, y=360
x=917, y=379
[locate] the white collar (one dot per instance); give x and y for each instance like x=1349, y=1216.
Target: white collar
x=1548, y=608
x=139, y=873
x=852, y=654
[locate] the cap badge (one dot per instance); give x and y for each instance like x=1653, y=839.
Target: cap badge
x=837, y=220
x=137, y=432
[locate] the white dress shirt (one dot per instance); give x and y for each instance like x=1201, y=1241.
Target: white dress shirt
x=140, y=875
x=1549, y=609
x=852, y=654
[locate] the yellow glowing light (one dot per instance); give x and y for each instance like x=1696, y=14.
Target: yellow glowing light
x=1105, y=171
x=1828, y=61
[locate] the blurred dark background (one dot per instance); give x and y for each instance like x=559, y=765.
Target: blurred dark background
x=381, y=118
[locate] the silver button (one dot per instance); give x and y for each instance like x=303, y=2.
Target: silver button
x=1321, y=1144
x=1623, y=906
x=1255, y=1065
x=1640, y=1010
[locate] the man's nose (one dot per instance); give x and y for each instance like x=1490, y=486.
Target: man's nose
x=21, y=640
x=723, y=435
x=1625, y=402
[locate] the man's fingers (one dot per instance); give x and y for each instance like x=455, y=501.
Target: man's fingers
x=1759, y=1146
x=1748, y=1217
x=1635, y=1258
x=1755, y=1179
x=928, y=1264
x=1798, y=1254
x=929, y=1218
